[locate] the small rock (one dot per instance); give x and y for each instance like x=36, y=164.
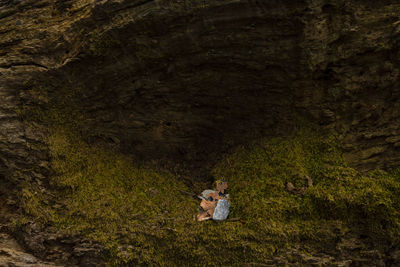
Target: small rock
x=290, y=187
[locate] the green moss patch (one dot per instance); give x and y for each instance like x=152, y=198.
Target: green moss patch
x=143, y=218
x=340, y=200
x=113, y=201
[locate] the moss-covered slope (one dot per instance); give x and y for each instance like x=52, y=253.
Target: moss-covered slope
x=142, y=216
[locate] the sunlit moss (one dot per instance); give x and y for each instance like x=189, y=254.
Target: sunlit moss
x=114, y=201
x=142, y=217
x=340, y=195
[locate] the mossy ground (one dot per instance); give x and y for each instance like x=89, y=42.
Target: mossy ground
x=142, y=216
x=340, y=199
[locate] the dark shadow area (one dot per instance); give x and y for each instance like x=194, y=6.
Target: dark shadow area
x=188, y=93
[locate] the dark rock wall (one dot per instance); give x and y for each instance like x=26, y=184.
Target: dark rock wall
x=190, y=84
x=33, y=37
x=353, y=52
x=188, y=80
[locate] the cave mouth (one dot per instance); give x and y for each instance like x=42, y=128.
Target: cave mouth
x=189, y=93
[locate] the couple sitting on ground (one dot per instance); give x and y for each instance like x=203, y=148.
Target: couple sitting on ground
x=214, y=203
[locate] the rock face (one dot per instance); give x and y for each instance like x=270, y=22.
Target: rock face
x=188, y=80
x=11, y=254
